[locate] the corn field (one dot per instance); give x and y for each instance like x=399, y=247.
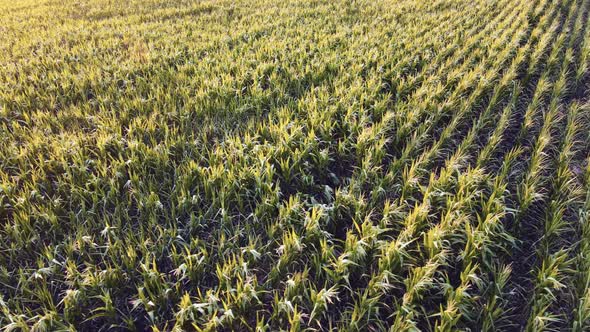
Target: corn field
x=301, y=165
